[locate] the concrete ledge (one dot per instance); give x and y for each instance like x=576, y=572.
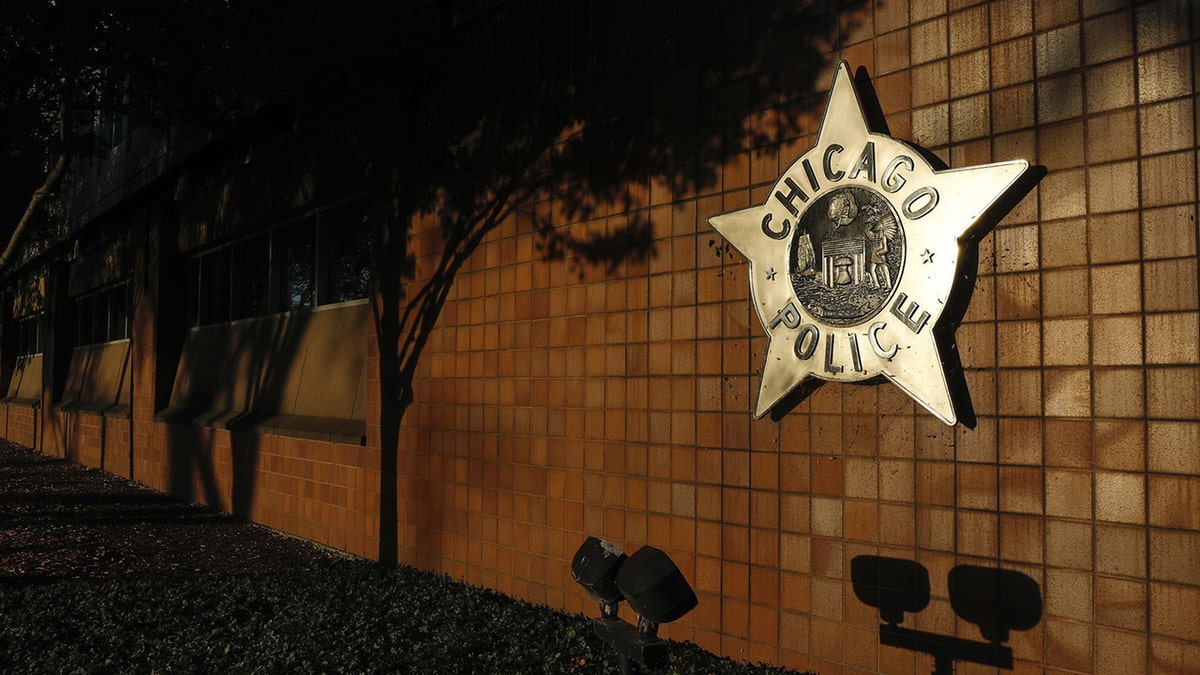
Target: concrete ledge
x=311, y=427
x=300, y=374
x=98, y=380
x=99, y=408
x=25, y=388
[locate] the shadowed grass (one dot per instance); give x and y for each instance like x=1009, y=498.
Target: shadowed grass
x=334, y=616
x=99, y=574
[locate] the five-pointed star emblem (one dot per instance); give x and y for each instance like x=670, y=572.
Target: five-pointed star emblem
x=876, y=249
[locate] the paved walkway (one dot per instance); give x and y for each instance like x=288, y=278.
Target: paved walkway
x=60, y=520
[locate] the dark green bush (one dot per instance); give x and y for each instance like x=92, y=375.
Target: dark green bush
x=343, y=616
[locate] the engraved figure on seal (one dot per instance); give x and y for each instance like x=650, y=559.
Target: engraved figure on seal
x=842, y=208
x=882, y=231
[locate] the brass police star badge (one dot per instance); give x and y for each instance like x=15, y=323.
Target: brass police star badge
x=863, y=257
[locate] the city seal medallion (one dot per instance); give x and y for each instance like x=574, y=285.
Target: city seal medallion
x=863, y=258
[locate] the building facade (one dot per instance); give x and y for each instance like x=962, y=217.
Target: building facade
x=209, y=327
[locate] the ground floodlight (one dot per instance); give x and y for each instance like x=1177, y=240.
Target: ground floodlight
x=655, y=588
x=595, y=568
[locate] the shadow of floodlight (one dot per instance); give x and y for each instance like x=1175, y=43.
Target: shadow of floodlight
x=996, y=600
x=892, y=585
x=652, y=584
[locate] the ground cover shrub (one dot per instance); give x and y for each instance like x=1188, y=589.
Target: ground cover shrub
x=333, y=616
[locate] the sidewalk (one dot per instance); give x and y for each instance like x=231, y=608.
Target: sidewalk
x=60, y=520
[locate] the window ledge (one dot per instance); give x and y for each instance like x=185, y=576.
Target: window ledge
x=101, y=408
x=328, y=429
x=22, y=402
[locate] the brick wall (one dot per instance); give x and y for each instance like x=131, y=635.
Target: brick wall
x=20, y=424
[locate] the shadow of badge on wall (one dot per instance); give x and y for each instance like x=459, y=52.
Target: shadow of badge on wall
x=863, y=258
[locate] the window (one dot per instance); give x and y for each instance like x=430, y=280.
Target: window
x=298, y=244
x=102, y=316
x=323, y=258
x=29, y=335
x=252, y=292
x=347, y=229
x=83, y=320
x=99, y=315
x=109, y=127
x=214, y=279
x=118, y=313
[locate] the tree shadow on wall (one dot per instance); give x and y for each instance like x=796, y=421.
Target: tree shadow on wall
x=565, y=120
x=237, y=380
x=538, y=115
x=997, y=601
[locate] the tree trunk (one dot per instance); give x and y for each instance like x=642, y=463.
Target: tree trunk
x=53, y=178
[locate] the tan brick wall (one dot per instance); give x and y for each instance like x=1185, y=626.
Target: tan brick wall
x=322, y=491
x=20, y=424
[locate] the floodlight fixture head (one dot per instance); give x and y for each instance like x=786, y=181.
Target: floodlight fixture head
x=595, y=567
x=655, y=589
